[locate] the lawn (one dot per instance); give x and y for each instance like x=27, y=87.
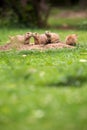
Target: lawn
x=43, y=90
x=71, y=18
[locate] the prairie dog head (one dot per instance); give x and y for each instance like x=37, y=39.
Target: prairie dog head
x=71, y=39
x=36, y=37
x=47, y=33
x=28, y=35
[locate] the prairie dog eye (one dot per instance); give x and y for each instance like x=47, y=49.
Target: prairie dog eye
x=29, y=33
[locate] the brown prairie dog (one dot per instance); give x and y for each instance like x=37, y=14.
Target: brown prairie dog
x=21, y=39
x=27, y=37
x=71, y=39
x=52, y=37
x=17, y=39
x=40, y=38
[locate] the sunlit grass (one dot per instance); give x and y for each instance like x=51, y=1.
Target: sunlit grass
x=77, y=22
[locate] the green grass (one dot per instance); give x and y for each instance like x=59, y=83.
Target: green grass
x=43, y=90
x=79, y=23
x=55, y=20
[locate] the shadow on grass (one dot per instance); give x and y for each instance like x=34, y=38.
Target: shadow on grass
x=70, y=81
x=68, y=27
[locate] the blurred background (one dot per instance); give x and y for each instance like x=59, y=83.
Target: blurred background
x=65, y=14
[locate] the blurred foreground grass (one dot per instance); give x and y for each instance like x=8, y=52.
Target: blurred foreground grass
x=43, y=90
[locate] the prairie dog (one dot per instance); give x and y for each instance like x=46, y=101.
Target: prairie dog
x=16, y=39
x=21, y=39
x=27, y=37
x=71, y=39
x=52, y=37
x=40, y=38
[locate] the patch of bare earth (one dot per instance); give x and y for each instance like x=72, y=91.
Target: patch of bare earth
x=71, y=14
x=10, y=46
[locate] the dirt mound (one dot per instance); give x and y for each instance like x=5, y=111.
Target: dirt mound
x=10, y=46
